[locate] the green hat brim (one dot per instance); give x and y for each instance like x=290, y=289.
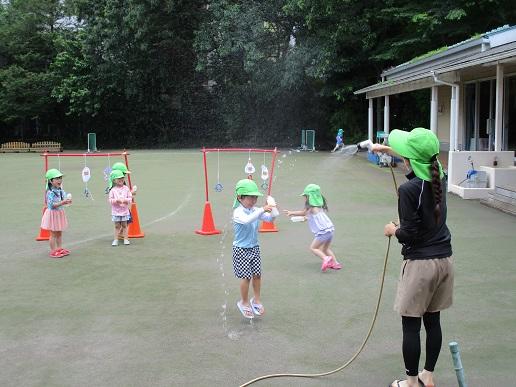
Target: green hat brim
x=413, y=145
x=313, y=192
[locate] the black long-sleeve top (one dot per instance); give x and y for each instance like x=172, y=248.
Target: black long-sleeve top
x=420, y=236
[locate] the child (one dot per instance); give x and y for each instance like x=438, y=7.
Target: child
x=340, y=142
x=120, y=198
x=54, y=217
x=122, y=167
x=320, y=224
x=246, y=251
x=425, y=285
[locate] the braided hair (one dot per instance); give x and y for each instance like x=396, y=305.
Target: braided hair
x=437, y=191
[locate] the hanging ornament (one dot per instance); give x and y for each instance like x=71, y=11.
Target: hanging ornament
x=107, y=172
x=218, y=187
x=249, y=168
x=86, y=174
x=265, y=177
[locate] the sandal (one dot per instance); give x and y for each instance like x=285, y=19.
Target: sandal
x=56, y=254
x=335, y=265
x=326, y=264
x=64, y=251
x=245, y=310
x=257, y=308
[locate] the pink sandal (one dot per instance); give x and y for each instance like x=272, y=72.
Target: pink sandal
x=56, y=254
x=245, y=310
x=335, y=265
x=326, y=263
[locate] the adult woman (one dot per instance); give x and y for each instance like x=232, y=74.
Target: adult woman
x=425, y=285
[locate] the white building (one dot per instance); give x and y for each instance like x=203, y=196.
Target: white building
x=472, y=105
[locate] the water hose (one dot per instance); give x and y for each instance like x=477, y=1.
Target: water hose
x=356, y=353
x=375, y=315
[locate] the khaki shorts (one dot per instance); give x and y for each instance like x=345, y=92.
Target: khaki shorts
x=425, y=285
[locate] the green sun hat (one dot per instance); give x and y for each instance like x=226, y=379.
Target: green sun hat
x=119, y=166
x=115, y=174
x=313, y=192
x=53, y=173
x=420, y=145
x=245, y=187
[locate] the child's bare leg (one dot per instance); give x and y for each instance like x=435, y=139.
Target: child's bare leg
x=59, y=239
x=123, y=231
x=244, y=290
x=326, y=249
x=315, y=247
x=52, y=241
x=257, y=285
x=118, y=226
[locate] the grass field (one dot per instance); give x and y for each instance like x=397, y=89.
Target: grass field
x=161, y=312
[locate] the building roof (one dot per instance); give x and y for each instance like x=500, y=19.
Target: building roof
x=495, y=46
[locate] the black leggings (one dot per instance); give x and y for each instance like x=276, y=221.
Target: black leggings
x=412, y=345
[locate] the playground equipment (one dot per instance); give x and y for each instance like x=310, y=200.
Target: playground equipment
x=134, y=227
x=92, y=142
x=307, y=140
x=208, y=224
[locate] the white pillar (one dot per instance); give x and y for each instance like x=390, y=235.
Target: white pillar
x=499, y=108
x=452, y=119
x=477, y=117
x=370, y=112
x=433, y=110
x=456, y=115
x=386, y=115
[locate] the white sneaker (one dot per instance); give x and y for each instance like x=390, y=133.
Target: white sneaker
x=115, y=242
x=126, y=242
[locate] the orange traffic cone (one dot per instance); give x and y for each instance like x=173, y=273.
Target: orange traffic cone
x=44, y=235
x=134, y=230
x=208, y=226
x=268, y=227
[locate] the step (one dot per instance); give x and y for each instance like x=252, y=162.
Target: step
x=491, y=201
x=506, y=191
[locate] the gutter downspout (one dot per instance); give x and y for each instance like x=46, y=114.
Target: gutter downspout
x=454, y=108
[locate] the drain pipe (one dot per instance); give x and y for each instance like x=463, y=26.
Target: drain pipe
x=453, y=110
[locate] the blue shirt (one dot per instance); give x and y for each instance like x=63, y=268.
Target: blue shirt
x=55, y=195
x=245, y=225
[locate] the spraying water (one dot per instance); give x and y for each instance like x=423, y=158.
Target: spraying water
x=350, y=150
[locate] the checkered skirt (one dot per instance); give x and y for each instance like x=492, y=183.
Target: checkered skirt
x=247, y=262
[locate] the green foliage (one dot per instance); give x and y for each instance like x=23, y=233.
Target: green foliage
x=221, y=72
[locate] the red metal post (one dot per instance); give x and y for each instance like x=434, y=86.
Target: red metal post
x=128, y=175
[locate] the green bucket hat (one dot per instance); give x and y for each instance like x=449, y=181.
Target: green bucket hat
x=313, y=192
x=420, y=145
x=245, y=187
x=52, y=174
x=115, y=174
x=119, y=166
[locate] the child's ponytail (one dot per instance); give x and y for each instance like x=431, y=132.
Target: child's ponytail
x=436, y=188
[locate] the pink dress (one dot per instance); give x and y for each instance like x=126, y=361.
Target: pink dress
x=54, y=218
